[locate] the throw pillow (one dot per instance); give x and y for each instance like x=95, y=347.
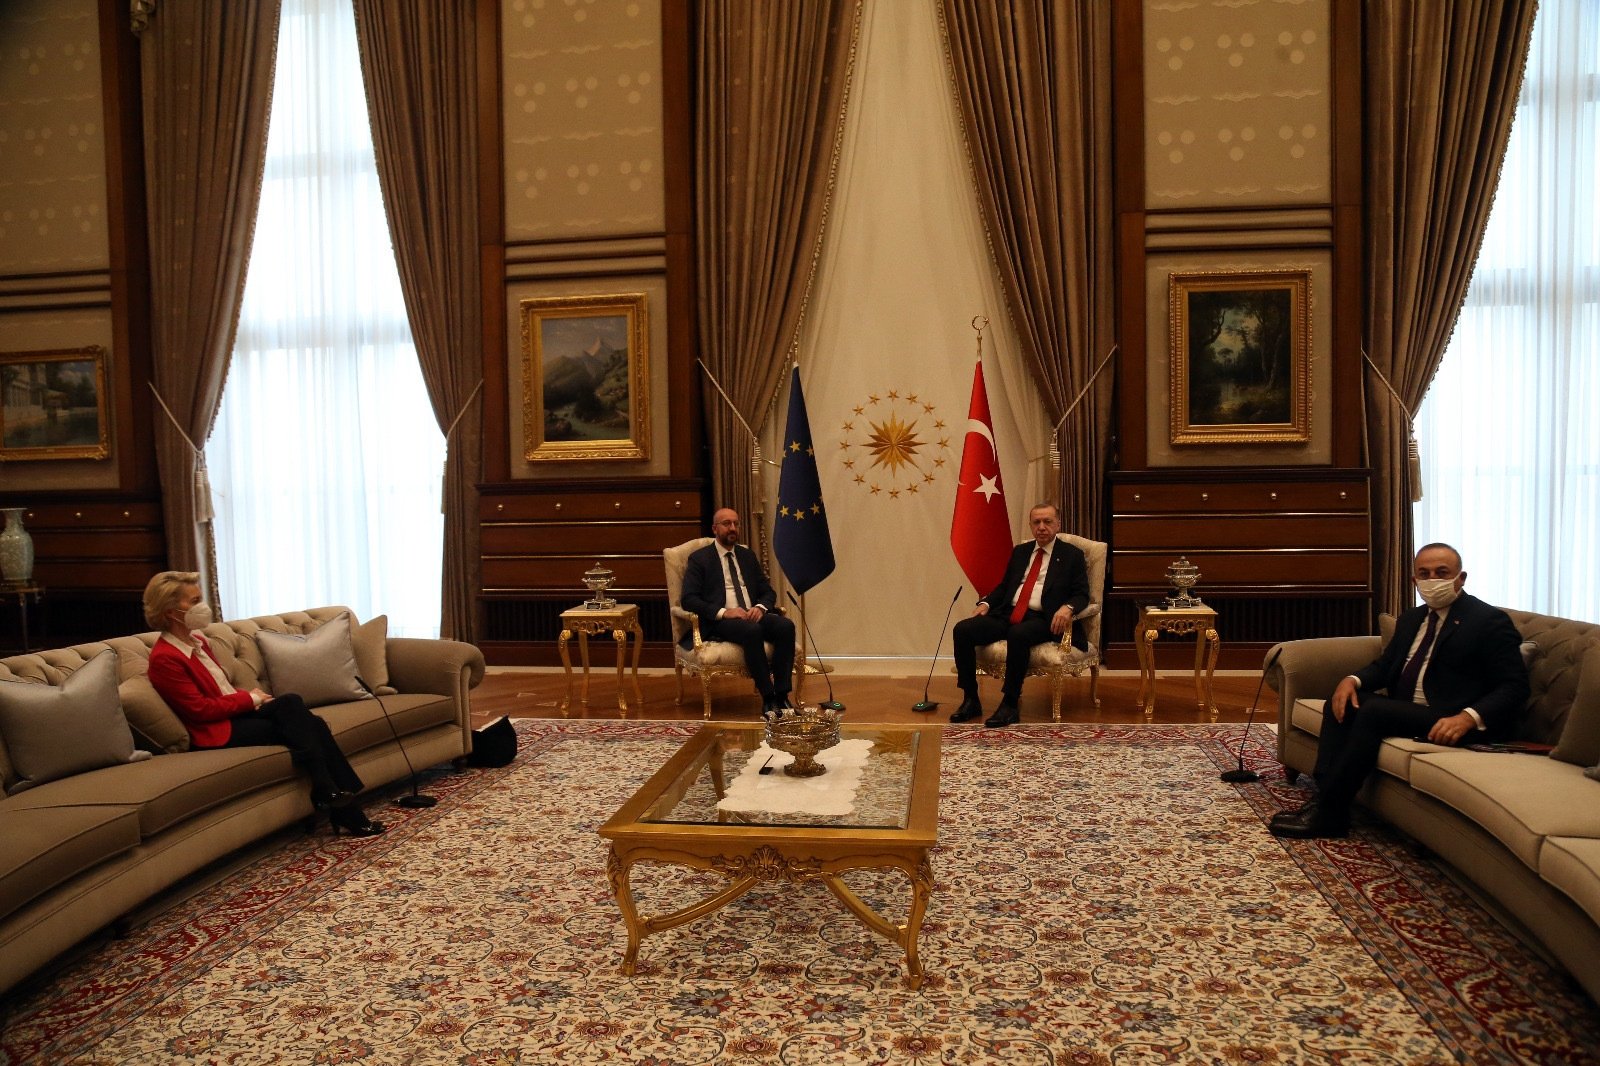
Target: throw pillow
x=155, y=727
x=1580, y=736
x=320, y=667
x=55, y=731
x=371, y=640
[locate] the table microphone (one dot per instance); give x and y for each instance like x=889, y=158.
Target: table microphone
x=923, y=704
x=1242, y=775
x=831, y=704
x=413, y=800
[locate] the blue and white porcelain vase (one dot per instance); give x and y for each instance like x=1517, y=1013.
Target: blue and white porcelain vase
x=16, y=548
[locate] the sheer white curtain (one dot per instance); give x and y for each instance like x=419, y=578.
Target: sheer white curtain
x=325, y=460
x=1509, y=433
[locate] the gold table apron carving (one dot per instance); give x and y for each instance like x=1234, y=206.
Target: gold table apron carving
x=747, y=852
x=620, y=621
x=1180, y=621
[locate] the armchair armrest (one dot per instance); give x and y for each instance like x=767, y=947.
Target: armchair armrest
x=1088, y=612
x=690, y=617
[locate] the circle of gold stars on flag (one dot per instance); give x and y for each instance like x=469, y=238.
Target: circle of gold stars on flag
x=894, y=445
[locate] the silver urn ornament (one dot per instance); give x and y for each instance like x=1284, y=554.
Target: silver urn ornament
x=598, y=579
x=1182, y=576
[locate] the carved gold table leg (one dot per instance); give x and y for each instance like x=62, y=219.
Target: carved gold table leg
x=1199, y=660
x=617, y=872
x=1144, y=638
x=1215, y=643
x=566, y=664
x=620, y=635
x=638, y=643
x=904, y=936
x=583, y=653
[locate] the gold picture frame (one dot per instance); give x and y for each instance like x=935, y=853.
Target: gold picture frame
x=586, y=377
x=1241, y=356
x=53, y=405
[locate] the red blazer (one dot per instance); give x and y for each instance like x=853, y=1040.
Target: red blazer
x=194, y=695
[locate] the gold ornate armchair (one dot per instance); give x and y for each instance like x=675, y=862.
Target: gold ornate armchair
x=706, y=659
x=1059, y=660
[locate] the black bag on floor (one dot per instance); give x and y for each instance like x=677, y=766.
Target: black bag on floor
x=493, y=745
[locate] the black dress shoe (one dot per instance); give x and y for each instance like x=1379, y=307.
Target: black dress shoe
x=1305, y=810
x=970, y=709
x=354, y=820
x=1310, y=825
x=1004, y=715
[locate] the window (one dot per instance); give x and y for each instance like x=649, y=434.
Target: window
x=1509, y=435
x=326, y=461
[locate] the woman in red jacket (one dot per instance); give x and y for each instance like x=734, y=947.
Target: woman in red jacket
x=186, y=674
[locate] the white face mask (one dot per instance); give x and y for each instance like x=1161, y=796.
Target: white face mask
x=199, y=616
x=1438, y=592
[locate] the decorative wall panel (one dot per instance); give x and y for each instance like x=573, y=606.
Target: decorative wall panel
x=1237, y=103
x=582, y=108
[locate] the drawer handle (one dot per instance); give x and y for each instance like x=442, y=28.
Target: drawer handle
x=617, y=506
x=1205, y=495
x=677, y=503
x=558, y=505
x=1137, y=497
x=1342, y=495
x=1274, y=495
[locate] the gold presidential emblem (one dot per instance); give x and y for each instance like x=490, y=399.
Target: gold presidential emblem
x=894, y=444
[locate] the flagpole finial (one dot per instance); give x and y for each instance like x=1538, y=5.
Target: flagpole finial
x=979, y=324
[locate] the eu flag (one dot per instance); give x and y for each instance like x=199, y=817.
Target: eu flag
x=801, y=541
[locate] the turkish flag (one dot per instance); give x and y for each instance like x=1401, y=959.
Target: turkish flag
x=980, y=532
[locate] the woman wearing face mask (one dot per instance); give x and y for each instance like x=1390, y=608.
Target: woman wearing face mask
x=217, y=715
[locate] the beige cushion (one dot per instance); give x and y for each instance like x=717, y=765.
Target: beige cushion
x=370, y=641
x=361, y=725
x=714, y=653
x=171, y=789
x=1046, y=656
x=48, y=846
x=1572, y=864
x=1519, y=799
x=155, y=727
x=55, y=731
x=1580, y=736
x=319, y=666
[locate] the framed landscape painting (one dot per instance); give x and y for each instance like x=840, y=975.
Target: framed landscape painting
x=53, y=405
x=1241, y=354
x=585, y=378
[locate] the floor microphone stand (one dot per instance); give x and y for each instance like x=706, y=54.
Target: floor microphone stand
x=830, y=704
x=923, y=704
x=414, y=800
x=1241, y=775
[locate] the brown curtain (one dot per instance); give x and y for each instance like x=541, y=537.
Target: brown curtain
x=1033, y=82
x=1442, y=78
x=773, y=79
x=418, y=59
x=207, y=70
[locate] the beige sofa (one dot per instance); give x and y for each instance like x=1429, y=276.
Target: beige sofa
x=1523, y=830
x=83, y=851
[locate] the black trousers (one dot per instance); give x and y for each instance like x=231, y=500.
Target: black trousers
x=972, y=633
x=1348, y=751
x=773, y=679
x=288, y=721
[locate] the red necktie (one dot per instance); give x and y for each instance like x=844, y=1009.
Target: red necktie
x=1027, y=587
x=1408, y=676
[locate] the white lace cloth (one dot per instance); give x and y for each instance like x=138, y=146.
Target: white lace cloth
x=832, y=793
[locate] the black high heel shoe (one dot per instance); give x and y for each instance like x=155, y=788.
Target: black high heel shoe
x=354, y=821
x=333, y=801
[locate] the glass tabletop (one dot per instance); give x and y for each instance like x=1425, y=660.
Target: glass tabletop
x=882, y=799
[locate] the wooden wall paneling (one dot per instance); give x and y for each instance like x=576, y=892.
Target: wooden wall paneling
x=1127, y=101
x=678, y=76
x=1348, y=251
x=495, y=442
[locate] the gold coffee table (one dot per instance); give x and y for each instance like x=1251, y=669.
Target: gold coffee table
x=1201, y=622
x=674, y=819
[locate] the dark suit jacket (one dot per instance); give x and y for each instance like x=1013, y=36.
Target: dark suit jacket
x=1477, y=663
x=704, y=582
x=1066, y=583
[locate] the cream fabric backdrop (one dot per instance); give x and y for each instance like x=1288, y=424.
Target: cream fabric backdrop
x=905, y=266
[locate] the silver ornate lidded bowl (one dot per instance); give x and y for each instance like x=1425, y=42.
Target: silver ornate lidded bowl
x=802, y=732
x=1182, y=576
x=598, y=579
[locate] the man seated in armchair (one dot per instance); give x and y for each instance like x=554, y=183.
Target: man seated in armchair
x=724, y=585
x=1045, y=588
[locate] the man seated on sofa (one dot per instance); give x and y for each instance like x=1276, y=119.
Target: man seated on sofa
x=1452, y=672
x=723, y=583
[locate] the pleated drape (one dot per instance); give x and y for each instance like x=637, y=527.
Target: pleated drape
x=207, y=73
x=771, y=89
x=419, y=63
x=1442, y=78
x=1034, y=86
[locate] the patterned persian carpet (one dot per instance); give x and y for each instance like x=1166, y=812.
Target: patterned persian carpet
x=1101, y=897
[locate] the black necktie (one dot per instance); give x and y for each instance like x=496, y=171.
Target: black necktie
x=733, y=576
x=1408, y=676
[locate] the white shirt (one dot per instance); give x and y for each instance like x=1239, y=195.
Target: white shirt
x=729, y=599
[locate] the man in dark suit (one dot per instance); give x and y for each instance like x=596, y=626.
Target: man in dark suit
x=1046, y=585
x=724, y=584
x=1452, y=673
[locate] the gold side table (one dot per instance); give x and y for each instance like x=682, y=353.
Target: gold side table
x=620, y=621
x=1182, y=621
